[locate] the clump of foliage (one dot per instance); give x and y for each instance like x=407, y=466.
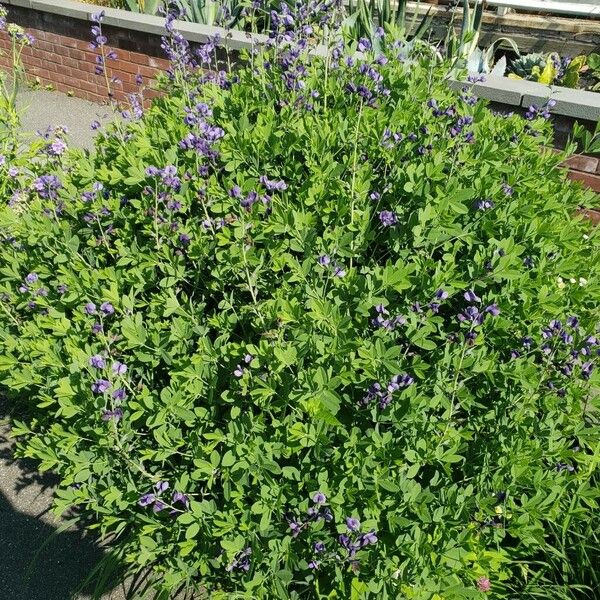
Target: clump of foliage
x=313, y=327
x=593, y=64
x=550, y=69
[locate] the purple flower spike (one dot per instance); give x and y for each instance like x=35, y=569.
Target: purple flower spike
x=90, y=308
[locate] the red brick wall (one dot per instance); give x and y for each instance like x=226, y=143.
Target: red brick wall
x=61, y=55
x=585, y=169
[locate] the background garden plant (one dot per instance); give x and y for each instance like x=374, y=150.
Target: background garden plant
x=313, y=327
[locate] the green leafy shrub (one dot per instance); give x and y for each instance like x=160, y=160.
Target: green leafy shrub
x=314, y=329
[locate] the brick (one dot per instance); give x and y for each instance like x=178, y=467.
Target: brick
x=45, y=46
x=580, y=162
x=588, y=180
x=590, y=213
x=158, y=63
x=75, y=54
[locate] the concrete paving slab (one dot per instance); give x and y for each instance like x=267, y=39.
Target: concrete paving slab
x=41, y=108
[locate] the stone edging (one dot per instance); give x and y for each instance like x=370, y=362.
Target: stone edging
x=124, y=19
x=577, y=104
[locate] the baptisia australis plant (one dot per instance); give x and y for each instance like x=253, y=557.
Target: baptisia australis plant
x=313, y=326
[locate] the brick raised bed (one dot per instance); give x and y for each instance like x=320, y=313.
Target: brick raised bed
x=62, y=57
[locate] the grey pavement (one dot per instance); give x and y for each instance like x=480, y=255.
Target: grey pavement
x=41, y=108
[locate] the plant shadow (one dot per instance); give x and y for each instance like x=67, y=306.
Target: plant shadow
x=43, y=559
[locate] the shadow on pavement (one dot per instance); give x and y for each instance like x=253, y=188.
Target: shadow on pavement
x=41, y=563
x=41, y=559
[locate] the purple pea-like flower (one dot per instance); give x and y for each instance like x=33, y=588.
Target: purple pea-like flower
x=471, y=296
x=319, y=547
x=90, y=308
x=112, y=415
x=107, y=308
x=119, y=394
x=100, y=386
x=364, y=45
x=586, y=369
x=484, y=204
x=368, y=538
x=338, y=271
x=324, y=260
x=161, y=486
x=147, y=499
x=352, y=524
x=388, y=218
x=97, y=361
x=493, y=310
x=119, y=368
x=181, y=498
x=32, y=278
x=319, y=498
x=441, y=294
x=98, y=16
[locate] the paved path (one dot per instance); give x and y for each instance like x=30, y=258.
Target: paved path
x=42, y=108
